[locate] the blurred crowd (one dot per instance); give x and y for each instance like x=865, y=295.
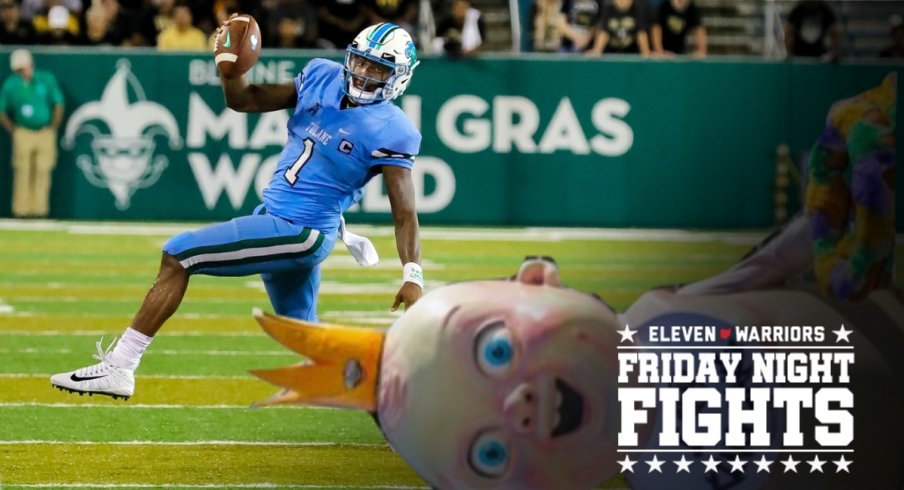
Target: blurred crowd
x=594, y=27
x=667, y=28
x=184, y=25
x=650, y=28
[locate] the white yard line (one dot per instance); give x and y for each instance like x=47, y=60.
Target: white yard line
x=164, y=406
x=331, y=287
x=141, y=376
x=364, y=314
x=541, y=234
x=353, y=289
x=349, y=317
x=163, y=352
x=341, y=260
x=107, y=299
x=111, y=334
x=209, y=485
x=6, y=309
x=373, y=322
x=190, y=316
x=189, y=443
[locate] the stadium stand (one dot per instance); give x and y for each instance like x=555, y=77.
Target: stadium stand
x=740, y=27
x=734, y=27
x=496, y=14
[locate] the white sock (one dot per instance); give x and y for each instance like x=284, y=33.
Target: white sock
x=128, y=351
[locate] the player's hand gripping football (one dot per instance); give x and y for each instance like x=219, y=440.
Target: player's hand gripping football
x=220, y=30
x=237, y=46
x=408, y=294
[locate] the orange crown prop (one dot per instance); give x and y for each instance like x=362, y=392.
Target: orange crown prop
x=342, y=369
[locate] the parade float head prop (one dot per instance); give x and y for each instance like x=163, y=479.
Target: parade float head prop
x=488, y=384
x=851, y=194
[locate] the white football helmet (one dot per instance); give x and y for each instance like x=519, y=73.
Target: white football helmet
x=385, y=47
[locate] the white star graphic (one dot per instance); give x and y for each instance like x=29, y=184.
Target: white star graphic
x=627, y=464
x=842, y=334
x=737, y=464
x=790, y=464
x=627, y=333
x=655, y=465
x=763, y=464
x=843, y=464
x=683, y=464
x=816, y=464
x=711, y=465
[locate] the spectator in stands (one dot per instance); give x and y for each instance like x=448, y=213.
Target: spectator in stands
x=401, y=12
x=674, y=21
x=13, y=29
x=578, y=24
x=156, y=16
x=896, y=50
x=219, y=10
x=812, y=31
x=182, y=35
x=205, y=14
x=293, y=24
x=98, y=30
x=623, y=29
x=547, y=23
x=460, y=33
x=129, y=5
x=33, y=8
x=338, y=21
x=647, y=10
x=31, y=109
x=57, y=26
x=121, y=18
x=291, y=34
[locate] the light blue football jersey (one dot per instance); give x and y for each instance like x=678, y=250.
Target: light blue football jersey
x=332, y=153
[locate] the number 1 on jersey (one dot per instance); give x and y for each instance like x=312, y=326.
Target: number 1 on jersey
x=292, y=172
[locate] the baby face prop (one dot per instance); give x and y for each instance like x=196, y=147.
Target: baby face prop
x=491, y=384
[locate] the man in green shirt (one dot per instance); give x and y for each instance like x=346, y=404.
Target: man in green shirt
x=31, y=108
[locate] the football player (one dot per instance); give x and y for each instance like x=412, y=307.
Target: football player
x=344, y=130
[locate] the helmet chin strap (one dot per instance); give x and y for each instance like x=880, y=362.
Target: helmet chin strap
x=359, y=96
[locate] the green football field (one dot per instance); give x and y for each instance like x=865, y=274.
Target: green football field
x=65, y=285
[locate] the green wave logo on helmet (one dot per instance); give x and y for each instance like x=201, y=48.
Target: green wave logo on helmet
x=411, y=53
x=384, y=44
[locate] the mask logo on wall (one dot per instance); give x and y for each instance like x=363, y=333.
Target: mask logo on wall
x=123, y=136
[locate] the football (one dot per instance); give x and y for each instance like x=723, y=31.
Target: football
x=238, y=46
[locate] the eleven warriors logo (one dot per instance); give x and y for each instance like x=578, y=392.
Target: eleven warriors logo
x=122, y=159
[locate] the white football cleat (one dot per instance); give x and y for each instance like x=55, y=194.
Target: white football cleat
x=102, y=378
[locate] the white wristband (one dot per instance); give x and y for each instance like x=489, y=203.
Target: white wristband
x=412, y=272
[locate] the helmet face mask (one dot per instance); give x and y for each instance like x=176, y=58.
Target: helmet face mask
x=379, y=64
x=365, y=75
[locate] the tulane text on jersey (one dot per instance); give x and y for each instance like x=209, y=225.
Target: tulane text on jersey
x=332, y=152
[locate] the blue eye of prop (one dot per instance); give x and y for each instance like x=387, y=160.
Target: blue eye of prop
x=498, y=352
x=489, y=456
x=495, y=350
x=492, y=454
